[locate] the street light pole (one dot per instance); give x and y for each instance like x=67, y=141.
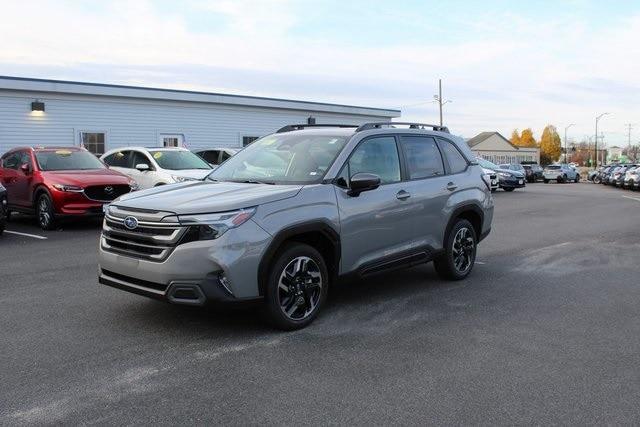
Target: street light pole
x=596, y=141
x=565, y=141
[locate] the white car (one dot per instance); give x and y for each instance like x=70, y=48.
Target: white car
x=151, y=167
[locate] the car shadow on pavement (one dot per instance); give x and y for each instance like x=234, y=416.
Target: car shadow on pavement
x=28, y=223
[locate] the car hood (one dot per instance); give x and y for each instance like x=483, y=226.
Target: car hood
x=206, y=196
x=190, y=173
x=83, y=178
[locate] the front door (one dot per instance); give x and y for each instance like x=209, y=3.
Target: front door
x=378, y=224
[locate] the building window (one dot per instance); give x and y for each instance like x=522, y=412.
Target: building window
x=93, y=141
x=173, y=140
x=246, y=140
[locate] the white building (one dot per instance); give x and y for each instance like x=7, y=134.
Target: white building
x=102, y=116
x=496, y=148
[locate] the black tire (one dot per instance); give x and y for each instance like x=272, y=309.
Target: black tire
x=546, y=181
x=577, y=178
x=299, y=304
x=3, y=217
x=45, y=213
x=597, y=180
x=446, y=264
x=509, y=189
x=493, y=190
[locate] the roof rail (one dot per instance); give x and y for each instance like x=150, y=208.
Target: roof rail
x=378, y=125
x=289, y=128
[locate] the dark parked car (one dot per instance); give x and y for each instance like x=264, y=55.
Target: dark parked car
x=511, y=178
x=603, y=176
x=632, y=178
x=3, y=208
x=534, y=172
x=617, y=176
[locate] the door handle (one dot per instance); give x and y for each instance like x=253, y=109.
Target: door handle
x=402, y=195
x=451, y=186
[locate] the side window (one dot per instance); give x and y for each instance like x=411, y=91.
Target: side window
x=210, y=156
x=138, y=158
x=12, y=160
x=224, y=156
x=118, y=159
x=423, y=157
x=378, y=156
x=457, y=162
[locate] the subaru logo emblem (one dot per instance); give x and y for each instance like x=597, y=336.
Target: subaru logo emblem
x=108, y=189
x=131, y=222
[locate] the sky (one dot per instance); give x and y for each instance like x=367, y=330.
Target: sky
x=504, y=64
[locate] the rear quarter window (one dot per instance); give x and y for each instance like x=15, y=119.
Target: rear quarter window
x=457, y=162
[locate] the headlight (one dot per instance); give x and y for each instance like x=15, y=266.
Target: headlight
x=68, y=188
x=177, y=178
x=504, y=175
x=212, y=226
x=134, y=185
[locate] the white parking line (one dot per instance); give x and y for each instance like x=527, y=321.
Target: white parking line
x=34, y=236
x=632, y=198
x=480, y=263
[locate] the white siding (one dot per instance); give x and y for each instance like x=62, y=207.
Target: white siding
x=130, y=121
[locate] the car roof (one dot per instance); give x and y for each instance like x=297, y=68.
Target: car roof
x=47, y=148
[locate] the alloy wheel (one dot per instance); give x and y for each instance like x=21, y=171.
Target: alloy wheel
x=463, y=250
x=44, y=215
x=300, y=288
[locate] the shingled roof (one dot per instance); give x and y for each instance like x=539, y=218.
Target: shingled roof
x=482, y=136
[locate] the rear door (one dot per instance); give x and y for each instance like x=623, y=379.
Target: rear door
x=426, y=181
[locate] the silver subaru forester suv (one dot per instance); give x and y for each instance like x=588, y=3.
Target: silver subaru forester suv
x=296, y=211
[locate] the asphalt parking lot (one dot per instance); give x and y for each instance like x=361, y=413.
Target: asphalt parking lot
x=545, y=330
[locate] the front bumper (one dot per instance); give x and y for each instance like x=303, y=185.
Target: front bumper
x=512, y=183
x=224, y=269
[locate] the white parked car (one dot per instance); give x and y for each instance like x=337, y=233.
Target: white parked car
x=151, y=167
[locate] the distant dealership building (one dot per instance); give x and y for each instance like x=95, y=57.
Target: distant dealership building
x=103, y=116
x=496, y=148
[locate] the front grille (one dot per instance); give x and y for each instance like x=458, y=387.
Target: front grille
x=106, y=193
x=150, y=240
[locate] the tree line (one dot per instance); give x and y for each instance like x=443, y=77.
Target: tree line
x=550, y=144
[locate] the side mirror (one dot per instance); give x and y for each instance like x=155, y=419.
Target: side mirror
x=361, y=182
x=25, y=168
x=142, y=167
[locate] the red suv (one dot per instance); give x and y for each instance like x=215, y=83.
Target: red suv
x=54, y=182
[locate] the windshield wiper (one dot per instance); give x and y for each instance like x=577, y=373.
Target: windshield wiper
x=254, y=181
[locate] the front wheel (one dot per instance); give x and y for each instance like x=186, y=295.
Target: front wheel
x=459, y=252
x=45, y=212
x=597, y=180
x=577, y=178
x=297, y=287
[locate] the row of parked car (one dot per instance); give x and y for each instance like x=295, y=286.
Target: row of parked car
x=618, y=175
x=510, y=176
x=56, y=182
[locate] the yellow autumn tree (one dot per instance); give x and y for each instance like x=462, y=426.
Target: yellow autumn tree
x=515, y=138
x=527, y=139
x=550, y=145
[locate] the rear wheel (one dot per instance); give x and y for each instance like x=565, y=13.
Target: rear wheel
x=3, y=215
x=297, y=287
x=45, y=213
x=577, y=178
x=460, y=252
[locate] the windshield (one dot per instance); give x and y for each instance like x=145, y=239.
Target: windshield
x=178, y=160
x=486, y=164
x=554, y=167
x=62, y=160
x=282, y=159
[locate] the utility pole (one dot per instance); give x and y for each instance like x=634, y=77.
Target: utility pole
x=629, y=126
x=439, y=100
x=596, y=146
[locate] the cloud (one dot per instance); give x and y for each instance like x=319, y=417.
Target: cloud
x=501, y=69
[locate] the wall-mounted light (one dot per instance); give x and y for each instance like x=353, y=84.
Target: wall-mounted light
x=37, y=106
